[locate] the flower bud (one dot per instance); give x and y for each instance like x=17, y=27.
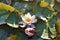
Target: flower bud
x=30, y=31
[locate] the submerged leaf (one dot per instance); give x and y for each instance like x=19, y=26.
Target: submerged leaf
x=9, y=1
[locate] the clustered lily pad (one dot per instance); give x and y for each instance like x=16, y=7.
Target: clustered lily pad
x=30, y=19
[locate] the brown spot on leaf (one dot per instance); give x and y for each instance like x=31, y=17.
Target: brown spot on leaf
x=13, y=37
x=57, y=26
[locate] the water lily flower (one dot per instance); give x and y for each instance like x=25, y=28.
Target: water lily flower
x=30, y=32
x=28, y=19
x=45, y=35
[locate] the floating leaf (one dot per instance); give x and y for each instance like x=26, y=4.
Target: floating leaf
x=6, y=7
x=51, y=8
x=45, y=34
x=13, y=20
x=18, y=5
x=3, y=15
x=57, y=6
x=44, y=4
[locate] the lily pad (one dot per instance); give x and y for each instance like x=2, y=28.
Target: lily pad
x=3, y=14
x=57, y=6
x=13, y=20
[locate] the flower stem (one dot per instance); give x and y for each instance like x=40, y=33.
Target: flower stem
x=52, y=16
x=47, y=26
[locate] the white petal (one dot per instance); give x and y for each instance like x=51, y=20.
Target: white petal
x=23, y=18
x=33, y=17
x=26, y=21
x=28, y=15
x=34, y=21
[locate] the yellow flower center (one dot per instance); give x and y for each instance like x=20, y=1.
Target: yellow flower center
x=28, y=19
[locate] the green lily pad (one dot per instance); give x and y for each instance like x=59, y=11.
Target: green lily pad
x=13, y=20
x=57, y=6
x=3, y=14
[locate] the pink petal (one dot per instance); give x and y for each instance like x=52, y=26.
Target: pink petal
x=30, y=31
